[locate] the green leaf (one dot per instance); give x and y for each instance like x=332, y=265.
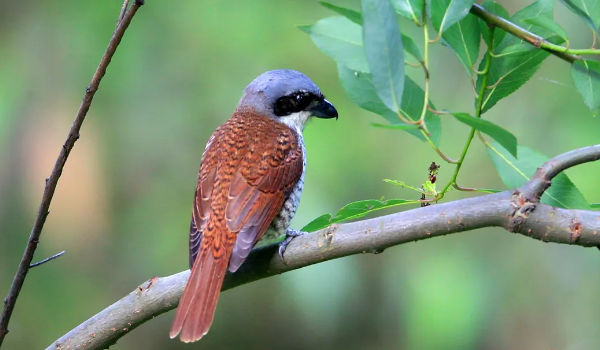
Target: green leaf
x=410, y=47
x=586, y=76
x=340, y=39
x=513, y=52
x=498, y=10
x=317, y=224
x=411, y=9
x=589, y=10
x=595, y=205
x=403, y=185
x=356, y=17
x=360, y=89
x=445, y=13
x=352, y=15
x=353, y=210
x=516, y=172
x=361, y=208
x=395, y=126
x=509, y=72
x=548, y=24
x=505, y=138
x=464, y=37
x=384, y=51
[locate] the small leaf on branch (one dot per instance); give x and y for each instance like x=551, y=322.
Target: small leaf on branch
x=353, y=210
x=589, y=10
x=513, y=52
x=464, y=38
x=548, y=24
x=430, y=189
x=411, y=9
x=410, y=47
x=445, y=13
x=586, y=76
x=516, y=172
x=318, y=223
x=403, y=185
x=384, y=51
x=504, y=137
x=595, y=205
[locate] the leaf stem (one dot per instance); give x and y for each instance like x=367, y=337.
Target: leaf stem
x=414, y=65
x=479, y=107
x=469, y=189
x=426, y=70
x=437, y=150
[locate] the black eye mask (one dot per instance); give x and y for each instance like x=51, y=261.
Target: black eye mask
x=295, y=102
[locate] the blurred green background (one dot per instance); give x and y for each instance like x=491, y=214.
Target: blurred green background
x=122, y=207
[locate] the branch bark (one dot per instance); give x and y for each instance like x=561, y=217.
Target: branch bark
x=52, y=181
x=516, y=211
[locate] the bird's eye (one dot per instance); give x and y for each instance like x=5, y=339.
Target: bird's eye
x=293, y=103
x=285, y=105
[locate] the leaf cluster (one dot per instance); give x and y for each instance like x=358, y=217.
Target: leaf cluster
x=372, y=54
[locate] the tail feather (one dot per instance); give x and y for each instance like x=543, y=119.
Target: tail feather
x=199, y=300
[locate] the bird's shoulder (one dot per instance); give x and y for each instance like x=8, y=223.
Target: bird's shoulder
x=253, y=143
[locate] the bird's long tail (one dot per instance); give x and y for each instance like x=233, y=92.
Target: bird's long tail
x=199, y=300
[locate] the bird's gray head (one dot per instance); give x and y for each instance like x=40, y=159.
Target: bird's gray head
x=287, y=96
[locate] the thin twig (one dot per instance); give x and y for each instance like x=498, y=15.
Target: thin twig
x=122, y=14
x=520, y=33
x=51, y=182
x=545, y=223
x=46, y=260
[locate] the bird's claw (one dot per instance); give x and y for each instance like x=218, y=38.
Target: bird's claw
x=290, y=234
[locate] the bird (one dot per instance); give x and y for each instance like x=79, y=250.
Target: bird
x=249, y=186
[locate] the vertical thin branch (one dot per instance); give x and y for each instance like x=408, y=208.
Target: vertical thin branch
x=51, y=182
x=122, y=14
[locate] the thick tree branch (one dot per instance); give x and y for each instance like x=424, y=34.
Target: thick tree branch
x=510, y=210
x=52, y=181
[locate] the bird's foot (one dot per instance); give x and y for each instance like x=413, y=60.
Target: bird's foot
x=290, y=234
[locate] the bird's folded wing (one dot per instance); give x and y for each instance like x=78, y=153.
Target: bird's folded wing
x=257, y=194
x=262, y=180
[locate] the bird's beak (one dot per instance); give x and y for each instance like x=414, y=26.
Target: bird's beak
x=324, y=110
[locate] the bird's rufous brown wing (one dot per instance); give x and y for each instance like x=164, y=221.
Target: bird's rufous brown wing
x=248, y=168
